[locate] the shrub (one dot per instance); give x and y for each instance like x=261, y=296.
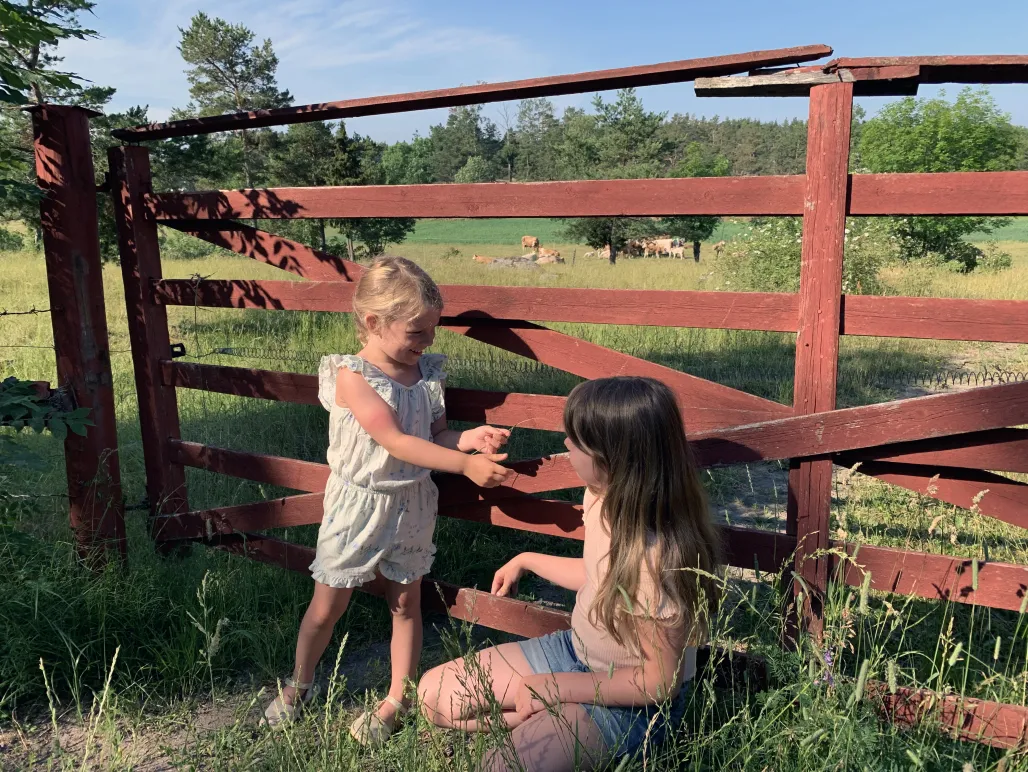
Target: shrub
x=767, y=257
x=10, y=242
x=993, y=259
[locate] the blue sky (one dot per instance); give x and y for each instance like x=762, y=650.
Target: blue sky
x=339, y=49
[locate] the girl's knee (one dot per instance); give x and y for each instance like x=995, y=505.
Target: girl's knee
x=406, y=605
x=433, y=694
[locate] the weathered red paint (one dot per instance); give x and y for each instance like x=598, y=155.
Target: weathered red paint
x=64, y=172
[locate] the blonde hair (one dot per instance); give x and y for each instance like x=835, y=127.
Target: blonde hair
x=632, y=428
x=393, y=289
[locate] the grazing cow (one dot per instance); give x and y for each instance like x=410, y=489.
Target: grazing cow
x=482, y=259
x=548, y=259
x=719, y=248
x=657, y=247
x=547, y=252
x=529, y=242
x=634, y=247
x=678, y=252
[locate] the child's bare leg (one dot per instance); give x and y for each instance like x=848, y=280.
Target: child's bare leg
x=405, y=646
x=458, y=694
x=327, y=605
x=569, y=740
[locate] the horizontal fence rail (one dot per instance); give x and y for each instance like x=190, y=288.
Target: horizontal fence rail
x=943, y=193
x=1002, y=321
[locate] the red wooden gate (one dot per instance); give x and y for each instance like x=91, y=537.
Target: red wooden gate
x=938, y=445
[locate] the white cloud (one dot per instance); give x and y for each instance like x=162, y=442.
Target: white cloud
x=327, y=51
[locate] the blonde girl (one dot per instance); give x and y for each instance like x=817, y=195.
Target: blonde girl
x=387, y=430
x=578, y=698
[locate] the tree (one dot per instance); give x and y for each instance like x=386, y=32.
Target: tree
x=29, y=35
x=465, y=134
x=696, y=161
x=933, y=135
x=303, y=157
x=357, y=160
x=408, y=163
x=536, y=135
x=228, y=73
x=623, y=141
x=475, y=170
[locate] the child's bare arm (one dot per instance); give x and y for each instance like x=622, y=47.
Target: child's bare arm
x=485, y=439
x=568, y=573
x=379, y=420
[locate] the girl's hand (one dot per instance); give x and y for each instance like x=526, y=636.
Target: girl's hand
x=484, y=439
x=505, y=580
x=527, y=700
x=484, y=470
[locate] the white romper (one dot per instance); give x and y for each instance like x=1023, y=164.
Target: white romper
x=380, y=512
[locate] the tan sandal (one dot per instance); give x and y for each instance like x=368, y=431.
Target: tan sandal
x=371, y=730
x=281, y=712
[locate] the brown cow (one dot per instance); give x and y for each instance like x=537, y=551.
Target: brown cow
x=547, y=253
x=719, y=248
x=548, y=259
x=482, y=259
x=529, y=242
x=678, y=252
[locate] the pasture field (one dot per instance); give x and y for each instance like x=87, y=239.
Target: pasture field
x=161, y=665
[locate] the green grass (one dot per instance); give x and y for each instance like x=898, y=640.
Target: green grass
x=168, y=675
x=1017, y=230
x=508, y=232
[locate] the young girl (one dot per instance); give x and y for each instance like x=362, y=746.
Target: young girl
x=613, y=682
x=387, y=429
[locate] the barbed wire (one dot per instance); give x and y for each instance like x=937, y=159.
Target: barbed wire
x=31, y=311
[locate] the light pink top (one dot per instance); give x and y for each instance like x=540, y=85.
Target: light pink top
x=593, y=645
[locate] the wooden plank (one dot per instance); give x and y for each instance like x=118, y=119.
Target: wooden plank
x=868, y=81
x=808, y=511
x=947, y=193
x=659, y=308
x=527, y=411
x=506, y=508
x=274, y=250
x=929, y=418
x=579, y=83
x=998, y=450
x=71, y=246
x=742, y=196
x=851, y=429
x=1004, y=321
x=996, y=496
x=950, y=193
x=936, y=577
x=998, y=724
x=949, y=69
x=148, y=328
x=705, y=405
x=905, y=420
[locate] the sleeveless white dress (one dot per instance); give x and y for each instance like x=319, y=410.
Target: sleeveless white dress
x=380, y=512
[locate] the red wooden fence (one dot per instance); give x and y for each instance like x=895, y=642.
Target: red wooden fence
x=948, y=446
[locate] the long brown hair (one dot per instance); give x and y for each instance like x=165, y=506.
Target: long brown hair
x=654, y=505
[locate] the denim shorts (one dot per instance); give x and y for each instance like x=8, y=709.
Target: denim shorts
x=624, y=730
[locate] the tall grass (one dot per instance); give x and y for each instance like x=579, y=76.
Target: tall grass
x=209, y=629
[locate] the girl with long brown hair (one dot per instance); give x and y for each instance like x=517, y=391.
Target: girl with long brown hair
x=645, y=585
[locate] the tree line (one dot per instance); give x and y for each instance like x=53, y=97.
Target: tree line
x=229, y=70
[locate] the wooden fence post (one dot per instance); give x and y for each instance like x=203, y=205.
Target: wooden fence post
x=817, y=339
x=64, y=171
x=148, y=328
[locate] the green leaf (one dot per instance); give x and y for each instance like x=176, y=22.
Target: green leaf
x=58, y=428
